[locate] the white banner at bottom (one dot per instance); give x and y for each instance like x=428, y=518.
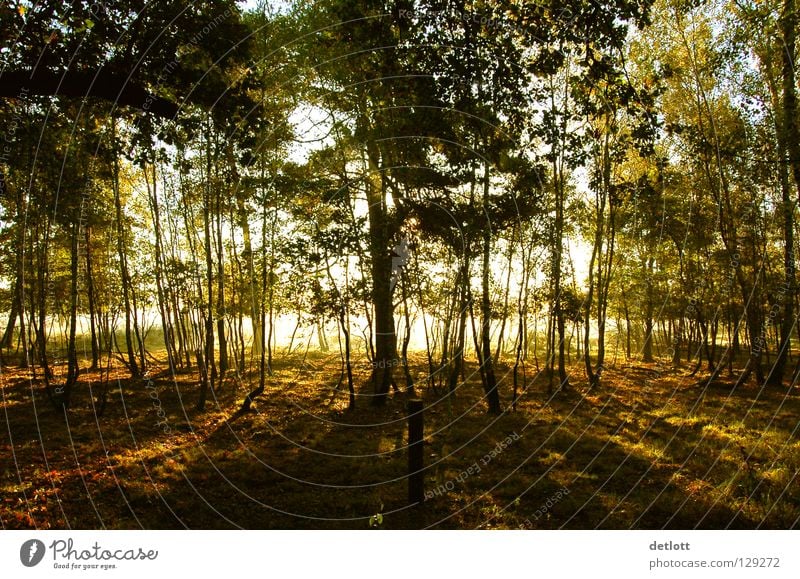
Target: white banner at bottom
x=395, y=554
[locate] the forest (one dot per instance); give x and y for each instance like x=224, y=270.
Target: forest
x=245, y=244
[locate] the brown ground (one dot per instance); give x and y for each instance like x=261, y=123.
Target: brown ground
x=643, y=451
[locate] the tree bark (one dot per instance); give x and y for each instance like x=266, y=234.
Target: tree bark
x=788, y=27
x=385, y=339
x=102, y=84
x=485, y=352
x=92, y=299
x=72, y=351
x=647, y=350
x=123, y=260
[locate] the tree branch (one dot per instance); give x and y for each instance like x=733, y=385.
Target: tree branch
x=115, y=88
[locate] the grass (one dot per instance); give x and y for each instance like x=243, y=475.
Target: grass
x=645, y=450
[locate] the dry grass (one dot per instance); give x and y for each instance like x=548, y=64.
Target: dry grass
x=643, y=451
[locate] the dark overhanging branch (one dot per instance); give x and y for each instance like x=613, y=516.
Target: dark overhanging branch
x=106, y=85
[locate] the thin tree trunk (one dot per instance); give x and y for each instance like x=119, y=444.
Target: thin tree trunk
x=123, y=260
x=460, y=344
x=647, y=350
x=785, y=131
x=209, y=373
x=788, y=27
x=406, y=334
x=72, y=351
x=271, y=291
x=504, y=317
x=8, y=334
x=221, y=310
x=166, y=327
x=485, y=353
x=262, y=313
x=92, y=299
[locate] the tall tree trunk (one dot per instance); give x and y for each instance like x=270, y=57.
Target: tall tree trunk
x=23, y=331
x=506, y=296
x=123, y=260
x=485, y=352
x=236, y=322
x=166, y=326
x=787, y=290
x=406, y=333
x=457, y=358
x=626, y=312
x=788, y=151
x=138, y=333
x=220, y=253
x=593, y=378
x=379, y=240
x=522, y=314
x=72, y=350
x=210, y=372
x=8, y=334
x=595, y=258
x=252, y=299
x=788, y=26
x=262, y=313
x=677, y=339
x=606, y=264
x=270, y=289
x=18, y=299
x=647, y=350
x=92, y=298
x=344, y=326
x=40, y=328
x=557, y=259
x=322, y=340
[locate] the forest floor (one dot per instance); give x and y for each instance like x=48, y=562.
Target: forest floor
x=648, y=449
